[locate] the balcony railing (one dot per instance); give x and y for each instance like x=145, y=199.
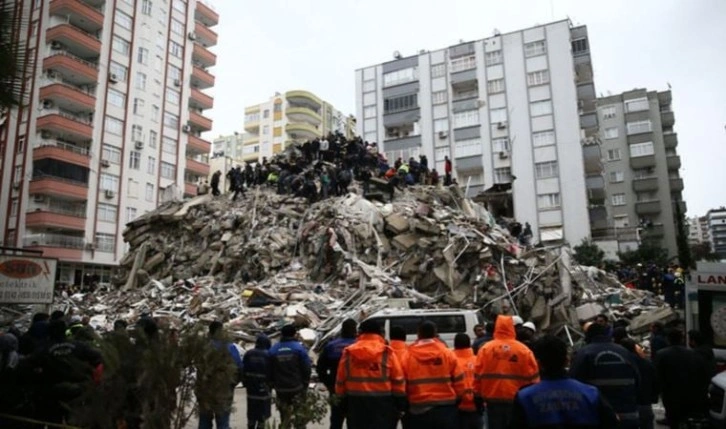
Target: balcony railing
x=54, y=240
x=68, y=115
x=66, y=208
x=62, y=145
x=86, y=89
x=41, y=176
x=73, y=57
x=465, y=94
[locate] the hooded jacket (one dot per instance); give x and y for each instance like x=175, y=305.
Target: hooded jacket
x=369, y=368
x=400, y=349
x=433, y=375
x=467, y=361
x=256, y=370
x=504, y=365
x=290, y=365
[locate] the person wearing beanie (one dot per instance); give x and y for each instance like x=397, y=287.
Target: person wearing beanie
x=327, y=366
x=290, y=371
x=256, y=379
x=469, y=416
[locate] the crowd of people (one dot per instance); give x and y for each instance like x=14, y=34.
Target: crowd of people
x=668, y=282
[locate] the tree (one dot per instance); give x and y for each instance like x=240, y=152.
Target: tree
x=13, y=58
x=588, y=253
x=684, y=251
x=647, y=252
x=703, y=252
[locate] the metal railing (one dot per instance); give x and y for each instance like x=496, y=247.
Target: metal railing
x=465, y=94
x=54, y=240
x=86, y=89
x=89, y=34
x=84, y=119
x=65, y=146
x=66, y=208
x=73, y=57
x=41, y=176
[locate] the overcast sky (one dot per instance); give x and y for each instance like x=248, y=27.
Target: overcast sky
x=278, y=45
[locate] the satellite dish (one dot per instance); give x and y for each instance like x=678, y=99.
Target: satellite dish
x=396, y=55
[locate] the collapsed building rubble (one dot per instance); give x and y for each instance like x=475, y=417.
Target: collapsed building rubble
x=269, y=259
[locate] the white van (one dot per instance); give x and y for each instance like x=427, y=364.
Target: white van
x=449, y=322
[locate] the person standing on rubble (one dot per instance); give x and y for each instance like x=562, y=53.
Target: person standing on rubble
x=447, y=171
x=370, y=381
x=291, y=368
x=215, y=182
x=469, y=416
x=256, y=379
x=503, y=366
x=327, y=367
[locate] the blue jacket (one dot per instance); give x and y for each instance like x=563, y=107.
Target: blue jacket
x=234, y=354
x=256, y=374
x=328, y=361
x=291, y=366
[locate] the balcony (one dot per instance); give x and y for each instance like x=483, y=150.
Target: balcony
x=464, y=79
x=198, y=168
x=645, y=184
x=68, y=97
x=41, y=218
x=667, y=119
x=642, y=161
x=251, y=157
x=670, y=140
x=60, y=246
x=653, y=231
x=252, y=140
x=200, y=100
x=593, y=159
x=61, y=151
x=62, y=122
x=74, y=40
x=78, y=13
x=190, y=189
x=201, y=55
x=595, y=188
x=252, y=126
x=673, y=162
x=198, y=121
x=647, y=207
x=683, y=207
x=197, y=145
x=676, y=184
x=205, y=35
x=302, y=131
x=304, y=98
x=303, y=114
x=204, y=14
x=74, y=69
x=201, y=78
x=58, y=187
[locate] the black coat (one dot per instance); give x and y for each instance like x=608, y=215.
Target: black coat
x=684, y=381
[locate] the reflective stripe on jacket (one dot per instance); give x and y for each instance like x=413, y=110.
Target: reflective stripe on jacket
x=433, y=374
x=467, y=360
x=504, y=365
x=369, y=367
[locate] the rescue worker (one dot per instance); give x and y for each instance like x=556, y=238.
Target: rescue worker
x=328, y=367
x=503, y=366
x=256, y=379
x=558, y=401
x=434, y=382
x=291, y=368
x=613, y=370
x=370, y=381
x=469, y=416
x=398, y=343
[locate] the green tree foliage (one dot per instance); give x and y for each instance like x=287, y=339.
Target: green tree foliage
x=684, y=250
x=647, y=252
x=312, y=408
x=588, y=253
x=703, y=252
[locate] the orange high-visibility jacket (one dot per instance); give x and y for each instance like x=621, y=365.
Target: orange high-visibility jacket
x=504, y=365
x=369, y=367
x=400, y=349
x=467, y=360
x=433, y=374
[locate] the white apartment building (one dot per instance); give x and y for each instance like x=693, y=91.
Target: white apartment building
x=111, y=125
x=510, y=113
x=716, y=221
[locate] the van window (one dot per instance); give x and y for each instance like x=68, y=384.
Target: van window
x=451, y=324
x=408, y=323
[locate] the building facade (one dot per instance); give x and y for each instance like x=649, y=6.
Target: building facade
x=111, y=126
x=716, y=221
x=515, y=113
x=698, y=230
x=642, y=165
x=295, y=116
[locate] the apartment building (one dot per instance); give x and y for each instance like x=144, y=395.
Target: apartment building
x=111, y=126
x=716, y=221
x=642, y=164
x=514, y=112
x=295, y=116
x=698, y=230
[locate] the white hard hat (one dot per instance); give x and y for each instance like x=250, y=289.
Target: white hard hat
x=530, y=325
x=517, y=320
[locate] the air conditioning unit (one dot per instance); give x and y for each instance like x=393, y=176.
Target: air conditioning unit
x=177, y=83
x=112, y=78
x=503, y=155
x=51, y=73
x=187, y=129
x=105, y=163
x=56, y=45
x=45, y=134
x=39, y=198
x=502, y=125
x=192, y=36
x=139, y=145
x=109, y=193
x=443, y=134
x=47, y=104
x=90, y=246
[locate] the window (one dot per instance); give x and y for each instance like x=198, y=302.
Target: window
x=266, y=113
x=579, y=46
x=151, y=165
x=503, y=175
x=400, y=76
x=149, y=192
x=168, y=171
x=135, y=160
x=641, y=149
x=168, y=145
x=175, y=49
x=539, y=77
x=152, y=139
x=369, y=112
x=265, y=129
x=180, y=5
x=18, y=174
x=494, y=86
x=137, y=133
x=441, y=125
x=611, y=133
x=618, y=199
x=639, y=127
x=616, y=176
x=171, y=120
x=252, y=117
x=498, y=115
x=143, y=56
x=539, y=108
x=466, y=119
x=468, y=147
x=21, y=144
x=140, y=81
x=155, y=113
x=441, y=153
x=172, y=96
x=114, y=126
x=438, y=70
x=117, y=98
x=398, y=104
x=614, y=154
x=493, y=58
x=637, y=105
x=643, y=173
x=130, y=214
x=369, y=85
x=123, y=20
x=500, y=145
x=543, y=138
x=177, y=26
x=120, y=45
x=14, y=207
x=439, y=97
x=544, y=170
x=105, y=242
x=146, y=7
x=548, y=201
x=138, y=106
x=463, y=63
x=107, y=212
x=119, y=71
x=108, y=182
x=608, y=112
x=111, y=154
x=174, y=72
x=535, y=48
